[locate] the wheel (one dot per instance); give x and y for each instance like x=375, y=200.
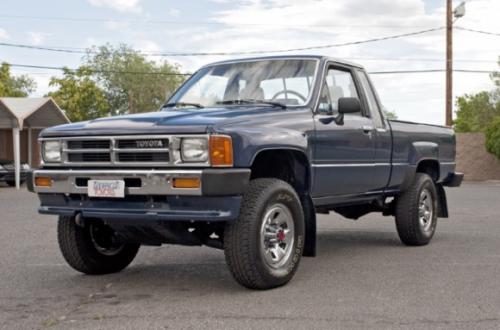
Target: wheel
x=92, y=249
x=416, y=211
x=264, y=245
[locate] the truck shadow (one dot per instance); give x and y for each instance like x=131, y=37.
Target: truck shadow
x=199, y=274
x=331, y=241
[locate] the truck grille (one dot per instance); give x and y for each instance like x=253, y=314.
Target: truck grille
x=89, y=157
x=141, y=150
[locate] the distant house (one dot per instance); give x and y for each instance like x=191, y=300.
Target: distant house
x=21, y=120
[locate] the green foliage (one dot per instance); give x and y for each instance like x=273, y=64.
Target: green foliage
x=389, y=114
x=481, y=113
x=476, y=111
x=10, y=86
x=120, y=71
x=493, y=137
x=78, y=94
x=496, y=75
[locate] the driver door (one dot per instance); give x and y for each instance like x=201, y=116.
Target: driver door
x=343, y=154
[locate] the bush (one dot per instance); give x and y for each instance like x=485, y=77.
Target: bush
x=493, y=137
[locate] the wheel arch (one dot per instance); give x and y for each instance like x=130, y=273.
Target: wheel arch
x=288, y=164
x=429, y=166
x=292, y=166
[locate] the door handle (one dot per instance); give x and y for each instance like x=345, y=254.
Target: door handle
x=367, y=129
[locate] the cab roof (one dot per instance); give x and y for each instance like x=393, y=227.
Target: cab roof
x=321, y=58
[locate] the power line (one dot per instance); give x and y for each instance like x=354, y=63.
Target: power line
x=52, y=49
x=97, y=71
x=428, y=71
x=477, y=31
x=189, y=74
x=252, y=52
x=197, y=22
x=419, y=59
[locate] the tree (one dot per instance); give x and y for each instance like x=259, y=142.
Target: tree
x=493, y=129
x=476, y=111
x=131, y=82
x=495, y=76
x=389, y=114
x=78, y=94
x=481, y=113
x=493, y=137
x=20, y=86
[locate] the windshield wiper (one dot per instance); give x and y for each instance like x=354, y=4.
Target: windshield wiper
x=253, y=101
x=182, y=104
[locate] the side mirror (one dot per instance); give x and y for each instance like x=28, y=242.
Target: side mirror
x=347, y=105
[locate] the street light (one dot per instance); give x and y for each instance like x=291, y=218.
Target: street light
x=457, y=13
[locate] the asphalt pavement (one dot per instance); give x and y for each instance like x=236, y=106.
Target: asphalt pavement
x=362, y=278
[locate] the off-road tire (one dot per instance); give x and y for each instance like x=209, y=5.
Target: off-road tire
x=77, y=248
x=409, y=228
x=242, y=237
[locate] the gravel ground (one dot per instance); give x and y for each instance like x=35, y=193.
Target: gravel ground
x=362, y=278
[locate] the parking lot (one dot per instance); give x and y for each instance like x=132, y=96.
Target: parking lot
x=362, y=278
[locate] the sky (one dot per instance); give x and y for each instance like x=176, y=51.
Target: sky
x=247, y=25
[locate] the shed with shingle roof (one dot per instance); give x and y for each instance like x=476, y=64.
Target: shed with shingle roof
x=19, y=118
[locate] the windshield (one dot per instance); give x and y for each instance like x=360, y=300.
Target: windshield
x=287, y=82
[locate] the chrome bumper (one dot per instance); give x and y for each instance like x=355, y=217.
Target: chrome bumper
x=152, y=182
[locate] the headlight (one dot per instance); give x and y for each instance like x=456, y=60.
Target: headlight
x=194, y=150
x=51, y=151
x=25, y=167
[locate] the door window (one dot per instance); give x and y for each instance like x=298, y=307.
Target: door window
x=371, y=100
x=338, y=83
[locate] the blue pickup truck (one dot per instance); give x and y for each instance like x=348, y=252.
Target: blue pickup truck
x=242, y=157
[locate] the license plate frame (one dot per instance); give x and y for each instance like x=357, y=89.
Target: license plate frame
x=106, y=188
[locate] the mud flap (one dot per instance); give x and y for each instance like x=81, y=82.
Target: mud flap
x=310, y=222
x=443, y=204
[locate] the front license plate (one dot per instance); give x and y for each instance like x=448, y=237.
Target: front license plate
x=106, y=188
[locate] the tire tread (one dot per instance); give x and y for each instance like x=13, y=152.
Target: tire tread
x=237, y=237
x=79, y=253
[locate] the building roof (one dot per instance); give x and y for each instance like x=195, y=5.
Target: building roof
x=30, y=111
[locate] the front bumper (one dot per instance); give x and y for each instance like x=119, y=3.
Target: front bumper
x=214, y=182
x=150, y=194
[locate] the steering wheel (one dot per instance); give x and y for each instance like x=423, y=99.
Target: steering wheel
x=289, y=91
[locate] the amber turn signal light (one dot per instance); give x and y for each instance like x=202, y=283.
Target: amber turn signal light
x=186, y=183
x=221, y=150
x=43, y=181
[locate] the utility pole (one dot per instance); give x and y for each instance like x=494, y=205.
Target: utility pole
x=450, y=14
x=449, y=63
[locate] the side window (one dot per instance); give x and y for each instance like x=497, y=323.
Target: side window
x=338, y=83
x=370, y=98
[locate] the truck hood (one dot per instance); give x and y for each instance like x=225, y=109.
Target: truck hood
x=194, y=121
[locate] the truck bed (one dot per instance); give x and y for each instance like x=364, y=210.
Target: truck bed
x=413, y=142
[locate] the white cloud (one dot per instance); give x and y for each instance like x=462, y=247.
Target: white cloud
x=37, y=38
x=278, y=24
x=148, y=46
x=42, y=83
x=270, y=24
x=119, y=5
x=174, y=12
x=3, y=34
x=116, y=25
